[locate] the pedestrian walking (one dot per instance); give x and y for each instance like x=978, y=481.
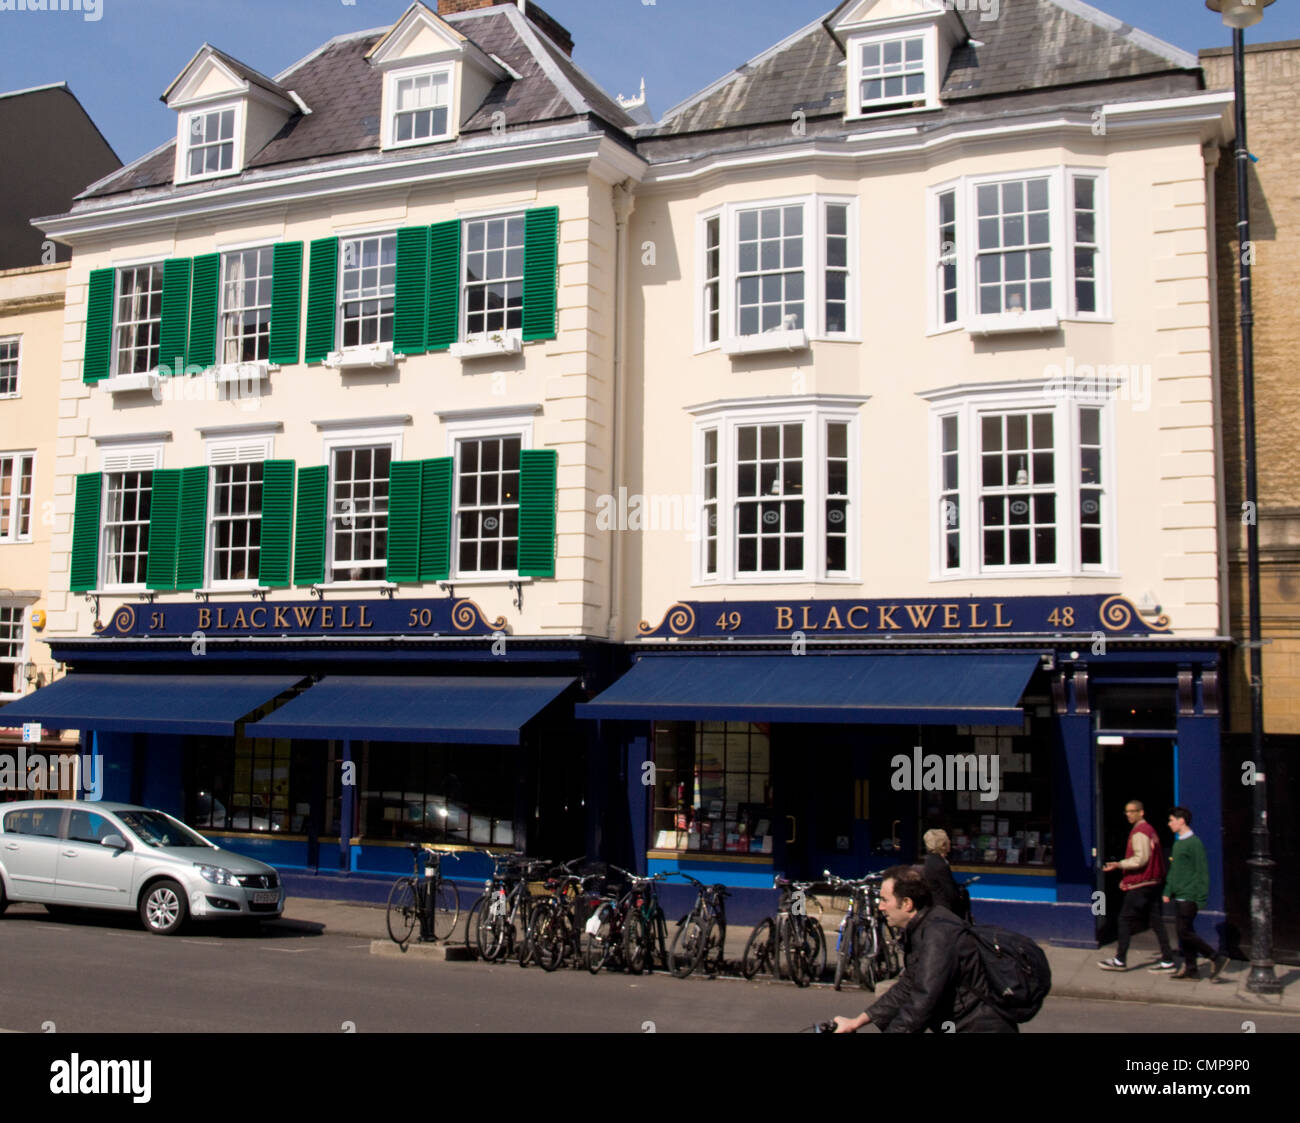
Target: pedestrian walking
x=1144, y=872
x=1188, y=887
x=943, y=978
x=938, y=874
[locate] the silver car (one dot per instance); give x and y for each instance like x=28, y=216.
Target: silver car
x=70, y=854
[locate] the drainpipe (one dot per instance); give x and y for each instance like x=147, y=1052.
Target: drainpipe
x=624, y=204
x=1211, y=154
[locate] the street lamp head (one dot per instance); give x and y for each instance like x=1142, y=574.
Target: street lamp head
x=1239, y=14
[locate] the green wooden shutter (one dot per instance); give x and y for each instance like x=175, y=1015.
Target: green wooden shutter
x=204, y=302
x=309, y=536
x=286, y=303
x=164, y=506
x=97, y=360
x=322, y=295
x=444, y=285
x=191, y=528
x=435, y=519
x=404, y=478
x=173, y=335
x=277, y=523
x=541, y=263
x=409, y=304
x=85, y=532
x=537, y=472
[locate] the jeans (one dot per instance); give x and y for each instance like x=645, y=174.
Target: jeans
x=1141, y=909
x=1188, y=940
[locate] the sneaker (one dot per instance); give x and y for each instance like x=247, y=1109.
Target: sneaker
x=1219, y=964
x=1184, y=973
x=1163, y=965
x=1112, y=964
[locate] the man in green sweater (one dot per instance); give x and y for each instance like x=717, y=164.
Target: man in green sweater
x=1188, y=886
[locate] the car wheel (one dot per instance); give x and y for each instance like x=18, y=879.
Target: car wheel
x=4, y=901
x=163, y=909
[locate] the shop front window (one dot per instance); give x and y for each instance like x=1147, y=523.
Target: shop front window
x=456, y=794
x=249, y=784
x=713, y=787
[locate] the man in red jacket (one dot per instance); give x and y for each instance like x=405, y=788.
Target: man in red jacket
x=1144, y=872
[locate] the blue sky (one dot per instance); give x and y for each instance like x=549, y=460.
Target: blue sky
x=119, y=64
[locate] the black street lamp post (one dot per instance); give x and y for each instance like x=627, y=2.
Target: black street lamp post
x=1238, y=15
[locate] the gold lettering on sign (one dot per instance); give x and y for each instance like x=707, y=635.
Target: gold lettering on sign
x=327, y=616
x=252, y=617
x=221, y=619
x=807, y=627
x=205, y=619
x=343, y=617
x=865, y=611
x=921, y=614
x=950, y=616
x=887, y=616
x=833, y=615
x=998, y=622
x=784, y=618
x=281, y=620
x=364, y=622
x=975, y=617
x=304, y=616
x=240, y=622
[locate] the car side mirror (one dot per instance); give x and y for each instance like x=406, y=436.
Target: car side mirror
x=116, y=841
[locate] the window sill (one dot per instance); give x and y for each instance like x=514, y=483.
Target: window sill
x=904, y=109
x=790, y=340
x=485, y=348
x=1010, y=322
x=130, y=383
x=233, y=589
x=355, y=586
x=243, y=372
x=362, y=358
x=490, y=579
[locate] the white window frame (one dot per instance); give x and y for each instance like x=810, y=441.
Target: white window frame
x=226, y=311
x=115, y=339
x=112, y=462
x=1061, y=203
x=339, y=300
x=24, y=644
x=462, y=292
x=220, y=453
x=928, y=33
x=814, y=270
x=8, y=534
x=237, y=141
x=969, y=404
x=17, y=391
x=507, y=423
x=331, y=443
x=814, y=417
x=391, y=80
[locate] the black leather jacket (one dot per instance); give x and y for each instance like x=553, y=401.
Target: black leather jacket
x=943, y=981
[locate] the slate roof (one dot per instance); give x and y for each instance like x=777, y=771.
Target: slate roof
x=1033, y=45
x=345, y=94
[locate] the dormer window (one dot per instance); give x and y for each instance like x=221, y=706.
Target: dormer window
x=893, y=70
x=210, y=147
x=421, y=106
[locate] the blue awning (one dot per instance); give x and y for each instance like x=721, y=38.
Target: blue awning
x=926, y=689
x=199, y=704
x=436, y=709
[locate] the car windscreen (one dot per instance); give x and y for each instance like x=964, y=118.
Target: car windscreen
x=154, y=828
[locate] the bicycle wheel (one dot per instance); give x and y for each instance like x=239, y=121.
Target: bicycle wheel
x=490, y=929
x=403, y=910
x=819, y=952
x=527, y=948
x=601, y=942
x=548, y=936
x=799, y=952
x=446, y=909
x=637, y=950
x=846, y=956
x=715, y=945
x=893, y=954
x=759, y=950
x=472, y=920
x=689, y=945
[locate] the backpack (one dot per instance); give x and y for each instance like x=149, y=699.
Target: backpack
x=1016, y=971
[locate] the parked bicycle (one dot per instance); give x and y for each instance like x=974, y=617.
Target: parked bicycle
x=497, y=920
x=619, y=929
x=645, y=929
x=866, y=948
x=702, y=934
x=430, y=900
x=791, y=937
x=552, y=931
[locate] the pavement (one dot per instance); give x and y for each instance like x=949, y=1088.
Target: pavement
x=1075, y=973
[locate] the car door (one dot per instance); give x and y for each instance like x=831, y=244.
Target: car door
x=29, y=848
x=90, y=873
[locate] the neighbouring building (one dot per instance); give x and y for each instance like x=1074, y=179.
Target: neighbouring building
x=1272, y=93
x=33, y=276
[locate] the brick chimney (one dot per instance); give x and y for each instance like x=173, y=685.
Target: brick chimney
x=558, y=34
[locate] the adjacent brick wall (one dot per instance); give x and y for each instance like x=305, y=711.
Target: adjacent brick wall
x=1273, y=134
